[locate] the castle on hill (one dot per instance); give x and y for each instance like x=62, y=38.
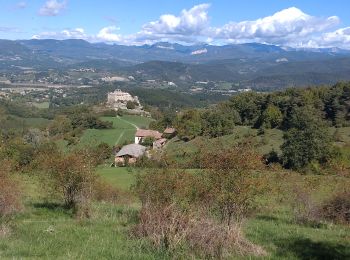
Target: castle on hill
x=119, y=100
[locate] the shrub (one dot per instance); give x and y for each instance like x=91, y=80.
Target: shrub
x=163, y=187
x=305, y=209
x=212, y=240
x=73, y=177
x=166, y=227
x=103, y=191
x=271, y=157
x=9, y=192
x=337, y=209
x=170, y=228
x=201, y=210
x=131, y=104
x=232, y=180
x=148, y=141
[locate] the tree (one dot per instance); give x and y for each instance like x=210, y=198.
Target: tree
x=217, y=124
x=60, y=125
x=306, y=141
x=189, y=124
x=148, y=141
x=130, y=105
x=272, y=117
x=248, y=106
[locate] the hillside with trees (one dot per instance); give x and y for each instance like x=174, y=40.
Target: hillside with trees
x=259, y=175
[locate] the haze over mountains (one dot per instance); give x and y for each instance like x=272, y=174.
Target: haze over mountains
x=251, y=64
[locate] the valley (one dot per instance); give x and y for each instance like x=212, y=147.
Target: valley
x=174, y=130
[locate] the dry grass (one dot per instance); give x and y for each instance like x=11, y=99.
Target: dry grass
x=170, y=228
x=337, y=208
x=106, y=192
x=10, y=194
x=210, y=239
x=305, y=208
x=4, y=230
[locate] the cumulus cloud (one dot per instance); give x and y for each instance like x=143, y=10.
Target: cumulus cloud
x=282, y=27
x=289, y=27
x=108, y=34
x=340, y=38
x=189, y=22
x=52, y=8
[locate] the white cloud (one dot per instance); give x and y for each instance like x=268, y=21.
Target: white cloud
x=282, y=27
x=186, y=27
x=77, y=33
x=340, y=38
x=189, y=22
x=52, y=8
x=288, y=27
x=107, y=34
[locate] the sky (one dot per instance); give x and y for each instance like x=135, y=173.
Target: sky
x=304, y=23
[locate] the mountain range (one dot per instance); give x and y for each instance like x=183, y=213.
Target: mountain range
x=251, y=64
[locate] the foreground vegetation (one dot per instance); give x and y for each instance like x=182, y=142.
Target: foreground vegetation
x=274, y=190
x=46, y=230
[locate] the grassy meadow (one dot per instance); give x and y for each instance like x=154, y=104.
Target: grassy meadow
x=45, y=230
x=270, y=140
x=123, y=131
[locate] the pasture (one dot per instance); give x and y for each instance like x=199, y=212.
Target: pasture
x=123, y=131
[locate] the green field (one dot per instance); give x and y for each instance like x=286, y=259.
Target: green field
x=36, y=122
x=119, y=177
x=41, y=105
x=123, y=131
x=272, y=139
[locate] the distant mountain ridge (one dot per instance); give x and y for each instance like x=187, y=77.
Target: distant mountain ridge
x=253, y=64
x=164, y=51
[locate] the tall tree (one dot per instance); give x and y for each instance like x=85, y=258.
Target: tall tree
x=307, y=139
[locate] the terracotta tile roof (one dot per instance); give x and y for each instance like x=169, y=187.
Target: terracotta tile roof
x=161, y=141
x=169, y=130
x=148, y=133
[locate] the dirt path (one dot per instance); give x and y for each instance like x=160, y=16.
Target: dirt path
x=137, y=128
x=122, y=133
x=120, y=136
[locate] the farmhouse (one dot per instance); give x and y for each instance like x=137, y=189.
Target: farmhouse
x=129, y=154
x=141, y=134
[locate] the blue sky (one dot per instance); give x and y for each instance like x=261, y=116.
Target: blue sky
x=309, y=23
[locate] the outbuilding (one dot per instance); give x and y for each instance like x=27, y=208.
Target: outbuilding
x=129, y=154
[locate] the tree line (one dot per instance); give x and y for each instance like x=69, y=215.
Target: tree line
x=302, y=114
